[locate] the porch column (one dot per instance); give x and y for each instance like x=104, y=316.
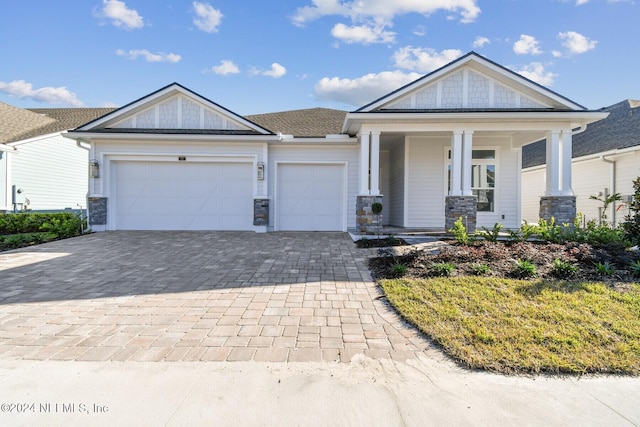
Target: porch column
x=566, y=149
x=456, y=164
x=364, y=163
x=467, y=168
x=553, y=163
x=375, y=163
x=558, y=202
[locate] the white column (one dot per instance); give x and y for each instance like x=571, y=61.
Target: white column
x=467, y=150
x=553, y=163
x=456, y=163
x=375, y=163
x=364, y=163
x=565, y=165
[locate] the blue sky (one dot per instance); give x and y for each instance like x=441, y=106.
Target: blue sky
x=265, y=56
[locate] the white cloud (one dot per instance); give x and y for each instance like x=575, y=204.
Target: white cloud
x=363, y=34
x=480, y=42
x=423, y=59
x=49, y=95
x=276, y=71
x=581, y=2
x=384, y=10
x=362, y=90
x=536, y=72
x=208, y=18
x=556, y=54
x=576, y=43
x=148, y=56
x=120, y=15
x=420, y=31
x=226, y=67
x=527, y=45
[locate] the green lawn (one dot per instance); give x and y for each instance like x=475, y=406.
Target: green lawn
x=517, y=326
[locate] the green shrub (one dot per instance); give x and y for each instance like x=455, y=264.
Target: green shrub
x=398, y=269
x=631, y=225
x=13, y=241
x=443, y=269
x=524, y=269
x=563, y=269
x=549, y=231
x=62, y=224
x=480, y=269
x=459, y=232
x=490, y=235
x=635, y=268
x=605, y=268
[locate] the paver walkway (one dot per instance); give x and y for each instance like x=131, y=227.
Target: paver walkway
x=189, y=296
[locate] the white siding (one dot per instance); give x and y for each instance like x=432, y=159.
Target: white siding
x=533, y=186
x=4, y=203
x=52, y=172
x=385, y=183
x=506, y=211
x=396, y=186
x=310, y=154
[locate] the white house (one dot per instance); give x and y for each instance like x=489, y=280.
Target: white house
x=39, y=169
x=606, y=160
x=447, y=145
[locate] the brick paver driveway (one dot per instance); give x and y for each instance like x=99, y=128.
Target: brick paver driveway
x=152, y=296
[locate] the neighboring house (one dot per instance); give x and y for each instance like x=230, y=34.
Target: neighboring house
x=606, y=159
x=446, y=146
x=40, y=170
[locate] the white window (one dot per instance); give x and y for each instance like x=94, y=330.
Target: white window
x=483, y=178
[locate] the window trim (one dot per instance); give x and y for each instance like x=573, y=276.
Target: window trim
x=495, y=161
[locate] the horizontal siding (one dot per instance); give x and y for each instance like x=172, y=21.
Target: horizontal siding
x=4, y=203
x=426, y=185
x=348, y=154
x=52, y=172
x=507, y=198
x=396, y=184
x=533, y=186
x=385, y=185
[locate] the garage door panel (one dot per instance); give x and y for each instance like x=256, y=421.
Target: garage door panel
x=183, y=196
x=311, y=197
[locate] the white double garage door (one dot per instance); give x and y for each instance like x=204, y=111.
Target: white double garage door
x=219, y=196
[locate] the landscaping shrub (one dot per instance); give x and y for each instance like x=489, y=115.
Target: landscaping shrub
x=631, y=226
x=24, y=229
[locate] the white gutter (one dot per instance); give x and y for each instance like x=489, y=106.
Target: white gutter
x=170, y=137
x=7, y=148
x=594, y=156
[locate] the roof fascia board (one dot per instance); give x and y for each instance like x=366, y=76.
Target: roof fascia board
x=84, y=136
x=36, y=138
x=593, y=156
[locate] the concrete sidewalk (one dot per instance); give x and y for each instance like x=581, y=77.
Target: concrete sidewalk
x=365, y=392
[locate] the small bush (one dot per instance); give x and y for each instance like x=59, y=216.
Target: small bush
x=490, y=235
x=459, y=232
x=549, y=231
x=480, y=269
x=631, y=225
x=443, y=269
x=398, y=269
x=605, y=268
x=563, y=269
x=635, y=268
x=524, y=269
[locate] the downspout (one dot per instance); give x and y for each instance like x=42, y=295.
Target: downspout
x=79, y=144
x=612, y=185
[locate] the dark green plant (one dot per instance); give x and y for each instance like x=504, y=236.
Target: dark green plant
x=443, y=269
x=605, y=268
x=549, y=231
x=631, y=225
x=490, y=235
x=480, y=269
x=524, y=269
x=459, y=232
x=398, y=269
x=563, y=269
x=635, y=268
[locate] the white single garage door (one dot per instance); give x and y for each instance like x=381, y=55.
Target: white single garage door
x=183, y=196
x=311, y=197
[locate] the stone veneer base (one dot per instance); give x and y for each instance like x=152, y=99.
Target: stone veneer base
x=461, y=206
x=561, y=208
x=97, y=208
x=366, y=221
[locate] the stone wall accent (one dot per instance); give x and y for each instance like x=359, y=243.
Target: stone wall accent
x=461, y=206
x=561, y=208
x=97, y=207
x=260, y=211
x=366, y=220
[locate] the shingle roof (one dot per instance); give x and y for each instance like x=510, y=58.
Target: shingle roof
x=311, y=122
x=15, y=122
x=64, y=119
x=621, y=129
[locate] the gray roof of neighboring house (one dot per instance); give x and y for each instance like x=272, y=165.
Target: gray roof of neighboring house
x=15, y=122
x=311, y=122
x=621, y=129
x=64, y=119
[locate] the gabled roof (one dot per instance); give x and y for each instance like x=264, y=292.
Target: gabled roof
x=621, y=129
x=16, y=122
x=67, y=118
x=311, y=122
x=119, y=118
x=540, y=95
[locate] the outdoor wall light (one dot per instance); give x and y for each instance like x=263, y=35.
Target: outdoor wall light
x=260, y=171
x=94, y=168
